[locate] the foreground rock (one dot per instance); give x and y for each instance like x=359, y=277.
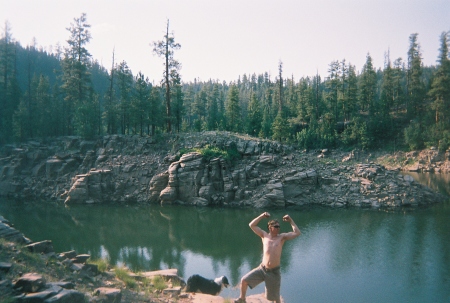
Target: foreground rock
x=130, y=169
x=67, y=278
x=10, y=233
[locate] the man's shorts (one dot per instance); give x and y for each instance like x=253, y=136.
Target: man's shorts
x=272, y=277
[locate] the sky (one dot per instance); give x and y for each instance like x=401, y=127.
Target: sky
x=222, y=40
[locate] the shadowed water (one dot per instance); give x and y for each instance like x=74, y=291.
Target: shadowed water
x=345, y=255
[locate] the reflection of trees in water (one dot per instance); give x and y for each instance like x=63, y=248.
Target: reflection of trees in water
x=144, y=237
x=372, y=240
x=153, y=237
x=439, y=182
x=222, y=234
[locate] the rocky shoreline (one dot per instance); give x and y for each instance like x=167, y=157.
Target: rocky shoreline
x=32, y=272
x=132, y=169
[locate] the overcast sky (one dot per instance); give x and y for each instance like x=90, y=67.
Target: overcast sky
x=222, y=40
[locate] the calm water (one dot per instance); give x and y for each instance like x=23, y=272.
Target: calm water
x=346, y=255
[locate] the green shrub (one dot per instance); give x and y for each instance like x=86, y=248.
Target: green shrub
x=102, y=264
x=123, y=274
x=159, y=283
x=210, y=152
x=413, y=136
x=444, y=142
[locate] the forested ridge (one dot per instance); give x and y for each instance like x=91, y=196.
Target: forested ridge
x=65, y=92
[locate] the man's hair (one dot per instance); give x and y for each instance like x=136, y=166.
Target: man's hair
x=272, y=222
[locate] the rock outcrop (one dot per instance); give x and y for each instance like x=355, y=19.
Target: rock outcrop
x=9, y=233
x=129, y=169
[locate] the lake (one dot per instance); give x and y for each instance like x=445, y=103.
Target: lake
x=343, y=255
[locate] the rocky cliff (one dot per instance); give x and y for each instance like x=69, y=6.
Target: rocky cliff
x=132, y=169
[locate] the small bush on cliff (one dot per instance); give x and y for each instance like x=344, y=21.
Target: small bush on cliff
x=210, y=152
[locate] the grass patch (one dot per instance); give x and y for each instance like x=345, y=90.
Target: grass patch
x=211, y=152
x=102, y=264
x=159, y=283
x=24, y=261
x=123, y=274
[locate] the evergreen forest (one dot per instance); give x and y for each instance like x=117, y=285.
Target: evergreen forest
x=66, y=92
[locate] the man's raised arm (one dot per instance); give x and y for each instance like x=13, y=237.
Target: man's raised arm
x=254, y=224
x=295, y=230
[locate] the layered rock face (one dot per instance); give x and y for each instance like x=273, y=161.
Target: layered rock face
x=129, y=169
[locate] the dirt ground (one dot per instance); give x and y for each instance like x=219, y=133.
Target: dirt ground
x=201, y=298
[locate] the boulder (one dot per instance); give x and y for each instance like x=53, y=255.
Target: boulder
x=108, y=295
x=30, y=282
x=52, y=167
x=156, y=185
x=5, y=267
x=89, y=270
x=68, y=255
x=42, y=247
x=81, y=258
x=95, y=186
x=11, y=234
x=67, y=296
x=40, y=297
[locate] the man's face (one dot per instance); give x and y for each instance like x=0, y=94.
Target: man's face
x=274, y=228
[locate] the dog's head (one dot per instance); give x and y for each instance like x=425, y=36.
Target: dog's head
x=225, y=281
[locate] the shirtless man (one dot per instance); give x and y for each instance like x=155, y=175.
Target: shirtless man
x=269, y=270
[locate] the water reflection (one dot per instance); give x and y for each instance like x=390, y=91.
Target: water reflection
x=346, y=255
x=144, y=238
x=439, y=182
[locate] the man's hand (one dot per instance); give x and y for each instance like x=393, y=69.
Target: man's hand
x=266, y=215
x=287, y=218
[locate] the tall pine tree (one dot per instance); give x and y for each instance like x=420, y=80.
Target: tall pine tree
x=76, y=79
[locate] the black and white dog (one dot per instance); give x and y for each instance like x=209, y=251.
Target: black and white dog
x=197, y=283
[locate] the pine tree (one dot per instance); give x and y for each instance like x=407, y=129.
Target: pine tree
x=44, y=109
x=200, y=110
x=124, y=83
x=77, y=84
x=9, y=89
x=156, y=111
x=177, y=100
x=305, y=106
x=387, y=89
x=189, y=108
x=268, y=110
x=332, y=88
x=440, y=87
x=110, y=114
x=254, y=119
x=352, y=94
x=213, y=108
x=140, y=103
x=280, y=88
x=292, y=97
x=233, y=110
x=367, y=86
x=415, y=85
x=280, y=128
x=165, y=48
